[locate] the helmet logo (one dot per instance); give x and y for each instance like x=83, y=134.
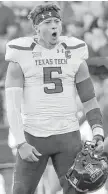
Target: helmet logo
x=94, y=173
x=43, y=16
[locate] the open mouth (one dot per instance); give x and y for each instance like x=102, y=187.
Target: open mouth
x=54, y=34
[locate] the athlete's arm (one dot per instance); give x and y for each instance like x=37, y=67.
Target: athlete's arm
x=14, y=91
x=86, y=93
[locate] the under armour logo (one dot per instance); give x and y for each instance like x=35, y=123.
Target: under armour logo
x=43, y=16
x=49, y=13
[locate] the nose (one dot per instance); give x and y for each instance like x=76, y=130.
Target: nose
x=54, y=26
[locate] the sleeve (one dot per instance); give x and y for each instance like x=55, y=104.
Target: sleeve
x=86, y=53
x=81, y=56
x=11, y=53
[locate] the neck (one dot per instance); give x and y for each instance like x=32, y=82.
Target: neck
x=47, y=44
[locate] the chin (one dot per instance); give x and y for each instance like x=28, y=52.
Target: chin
x=53, y=42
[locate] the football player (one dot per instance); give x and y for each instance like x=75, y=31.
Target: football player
x=41, y=82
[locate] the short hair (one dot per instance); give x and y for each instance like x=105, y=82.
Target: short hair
x=39, y=9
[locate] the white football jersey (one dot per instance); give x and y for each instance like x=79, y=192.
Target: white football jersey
x=49, y=101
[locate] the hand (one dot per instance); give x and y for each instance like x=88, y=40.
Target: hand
x=28, y=152
x=98, y=142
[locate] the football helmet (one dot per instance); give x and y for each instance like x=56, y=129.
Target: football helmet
x=89, y=171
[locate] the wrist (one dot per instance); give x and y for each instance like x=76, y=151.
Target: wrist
x=99, y=137
x=21, y=144
x=98, y=131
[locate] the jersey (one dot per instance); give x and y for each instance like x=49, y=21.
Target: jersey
x=49, y=100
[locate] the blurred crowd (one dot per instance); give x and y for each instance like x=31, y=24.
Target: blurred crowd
x=87, y=20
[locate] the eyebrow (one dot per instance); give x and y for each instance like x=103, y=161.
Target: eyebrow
x=47, y=20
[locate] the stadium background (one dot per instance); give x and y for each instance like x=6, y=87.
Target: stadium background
x=87, y=20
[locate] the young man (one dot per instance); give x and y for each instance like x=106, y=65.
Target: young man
x=41, y=83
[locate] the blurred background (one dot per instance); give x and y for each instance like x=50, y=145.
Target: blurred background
x=87, y=20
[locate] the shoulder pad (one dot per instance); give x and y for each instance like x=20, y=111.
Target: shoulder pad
x=23, y=41
x=72, y=43
x=14, y=46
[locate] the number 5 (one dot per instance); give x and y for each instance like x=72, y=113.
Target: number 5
x=47, y=72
